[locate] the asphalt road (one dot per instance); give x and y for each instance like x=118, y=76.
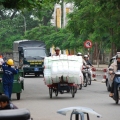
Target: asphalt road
x=35, y=97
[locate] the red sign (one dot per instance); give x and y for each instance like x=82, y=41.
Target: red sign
x=88, y=44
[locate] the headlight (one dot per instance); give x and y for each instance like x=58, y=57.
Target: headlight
x=26, y=65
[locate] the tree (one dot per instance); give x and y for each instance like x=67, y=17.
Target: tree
x=97, y=21
x=13, y=27
x=53, y=36
x=21, y=4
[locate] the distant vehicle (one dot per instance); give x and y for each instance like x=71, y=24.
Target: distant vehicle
x=108, y=82
x=30, y=56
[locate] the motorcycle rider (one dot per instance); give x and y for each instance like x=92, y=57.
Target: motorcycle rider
x=88, y=64
x=79, y=54
x=112, y=69
x=57, y=51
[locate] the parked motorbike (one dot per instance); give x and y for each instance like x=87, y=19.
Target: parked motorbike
x=79, y=113
x=15, y=114
x=86, y=76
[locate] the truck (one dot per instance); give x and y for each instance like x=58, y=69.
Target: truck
x=29, y=54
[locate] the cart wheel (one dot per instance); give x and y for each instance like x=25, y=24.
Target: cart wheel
x=18, y=96
x=73, y=91
x=56, y=92
x=22, y=85
x=50, y=92
x=80, y=86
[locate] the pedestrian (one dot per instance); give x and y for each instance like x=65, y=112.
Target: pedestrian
x=8, y=77
x=5, y=104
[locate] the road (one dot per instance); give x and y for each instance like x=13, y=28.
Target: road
x=35, y=97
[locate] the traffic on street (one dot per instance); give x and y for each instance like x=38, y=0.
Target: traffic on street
x=36, y=99
x=59, y=59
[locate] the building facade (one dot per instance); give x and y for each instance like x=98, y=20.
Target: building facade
x=59, y=19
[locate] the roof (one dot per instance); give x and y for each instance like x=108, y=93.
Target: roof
x=18, y=41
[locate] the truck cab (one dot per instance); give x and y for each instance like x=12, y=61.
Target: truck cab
x=30, y=56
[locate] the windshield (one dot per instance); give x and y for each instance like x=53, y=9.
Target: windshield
x=34, y=53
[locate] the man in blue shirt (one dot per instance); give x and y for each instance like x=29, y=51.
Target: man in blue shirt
x=8, y=77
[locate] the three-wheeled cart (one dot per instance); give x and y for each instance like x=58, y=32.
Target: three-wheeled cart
x=18, y=84
x=62, y=87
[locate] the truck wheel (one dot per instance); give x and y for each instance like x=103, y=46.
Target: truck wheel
x=37, y=74
x=18, y=96
x=24, y=74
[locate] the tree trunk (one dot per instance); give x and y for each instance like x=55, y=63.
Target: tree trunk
x=113, y=49
x=95, y=53
x=46, y=19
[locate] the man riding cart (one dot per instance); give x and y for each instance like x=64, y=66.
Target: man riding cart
x=62, y=73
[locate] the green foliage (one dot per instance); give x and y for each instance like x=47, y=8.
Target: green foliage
x=98, y=21
x=13, y=27
x=29, y=4
x=53, y=36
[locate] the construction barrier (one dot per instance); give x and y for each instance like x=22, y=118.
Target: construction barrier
x=104, y=75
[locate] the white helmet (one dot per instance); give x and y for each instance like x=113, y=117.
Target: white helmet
x=85, y=56
x=57, y=48
x=79, y=54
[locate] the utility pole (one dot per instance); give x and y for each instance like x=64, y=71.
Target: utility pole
x=62, y=13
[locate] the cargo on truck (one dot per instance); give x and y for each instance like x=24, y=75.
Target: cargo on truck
x=29, y=54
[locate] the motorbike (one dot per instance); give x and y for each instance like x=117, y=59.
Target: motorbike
x=80, y=113
x=86, y=76
x=15, y=114
x=116, y=84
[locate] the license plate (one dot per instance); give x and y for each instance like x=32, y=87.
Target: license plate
x=36, y=69
x=63, y=84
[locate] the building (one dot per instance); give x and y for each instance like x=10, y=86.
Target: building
x=60, y=20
